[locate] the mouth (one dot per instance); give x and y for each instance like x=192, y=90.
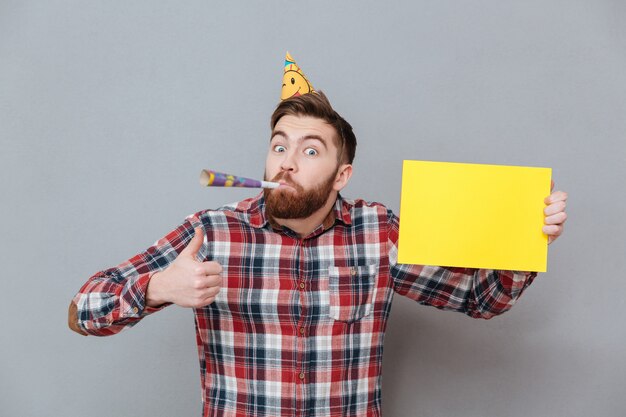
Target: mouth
x=297, y=93
x=285, y=185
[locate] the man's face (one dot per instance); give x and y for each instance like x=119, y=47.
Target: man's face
x=303, y=158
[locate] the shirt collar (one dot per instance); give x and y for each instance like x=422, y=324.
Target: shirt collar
x=258, y=218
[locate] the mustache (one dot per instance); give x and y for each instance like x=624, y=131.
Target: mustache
x=285, y=177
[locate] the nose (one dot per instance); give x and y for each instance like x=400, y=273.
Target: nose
x=288, y=162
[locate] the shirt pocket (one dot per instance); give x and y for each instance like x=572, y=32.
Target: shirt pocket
x=350, y=290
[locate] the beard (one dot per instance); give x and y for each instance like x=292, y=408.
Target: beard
x=298, y=204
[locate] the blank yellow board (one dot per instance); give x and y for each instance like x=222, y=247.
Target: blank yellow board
x=473, y=216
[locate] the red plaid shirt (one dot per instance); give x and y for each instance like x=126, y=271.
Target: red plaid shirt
x=298, y=326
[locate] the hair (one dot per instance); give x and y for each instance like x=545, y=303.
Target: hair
x=316, y=104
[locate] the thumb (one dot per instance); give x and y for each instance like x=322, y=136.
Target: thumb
x=194, y=244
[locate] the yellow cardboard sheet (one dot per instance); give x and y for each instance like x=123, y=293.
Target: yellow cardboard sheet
x=473, y=216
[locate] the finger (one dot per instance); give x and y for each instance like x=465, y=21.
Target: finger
x=558, y=218
x=551, y=185
x=202, y=282
x=207, y=297
x=556, y=196
x=554, y=208
x=194, y=244
x=206, y=302
x=205, y=293
x=202, y=302
x=553, y=230
x=212, y=295
x=214, y=281
x=213, y=292
x=209, y=268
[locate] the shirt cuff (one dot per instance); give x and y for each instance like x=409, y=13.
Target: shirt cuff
x=133, y=298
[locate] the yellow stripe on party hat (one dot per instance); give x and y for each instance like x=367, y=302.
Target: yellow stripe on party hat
x=295, y=82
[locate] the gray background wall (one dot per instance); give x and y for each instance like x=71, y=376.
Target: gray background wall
x=109, y=109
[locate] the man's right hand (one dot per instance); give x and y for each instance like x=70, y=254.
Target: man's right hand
x=186, y=282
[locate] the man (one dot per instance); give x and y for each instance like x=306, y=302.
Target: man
x=292, y=289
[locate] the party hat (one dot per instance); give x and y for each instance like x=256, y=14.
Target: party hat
x=295, y=82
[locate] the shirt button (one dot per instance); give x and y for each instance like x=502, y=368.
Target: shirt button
x=302, y=285
x=135, y=310
x=301, y=376
x=301, y=330
x=353, y=271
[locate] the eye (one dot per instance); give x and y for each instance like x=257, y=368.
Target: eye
x=293, y=81
x=310, y=151
x=279, y=148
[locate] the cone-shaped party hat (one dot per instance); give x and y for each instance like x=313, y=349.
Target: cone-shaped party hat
x=295, y=82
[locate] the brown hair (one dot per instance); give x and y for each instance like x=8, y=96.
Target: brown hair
x=316, y=104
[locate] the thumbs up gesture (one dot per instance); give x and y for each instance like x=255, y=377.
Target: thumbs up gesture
x=186, y=282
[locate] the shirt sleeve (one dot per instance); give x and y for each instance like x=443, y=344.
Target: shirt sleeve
x=479, y=293
x=113, y=300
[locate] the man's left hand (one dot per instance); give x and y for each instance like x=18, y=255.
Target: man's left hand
x=554, y=213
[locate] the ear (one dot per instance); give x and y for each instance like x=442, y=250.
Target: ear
x=343, y=176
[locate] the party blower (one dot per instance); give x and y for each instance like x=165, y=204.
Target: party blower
x=210, y=178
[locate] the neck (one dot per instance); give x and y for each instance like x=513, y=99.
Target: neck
x=304, y=227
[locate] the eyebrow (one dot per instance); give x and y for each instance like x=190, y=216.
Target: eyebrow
x=305, y=137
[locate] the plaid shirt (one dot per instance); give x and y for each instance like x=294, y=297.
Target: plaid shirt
x=298, y=326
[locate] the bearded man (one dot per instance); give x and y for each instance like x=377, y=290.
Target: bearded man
x=292, y=289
